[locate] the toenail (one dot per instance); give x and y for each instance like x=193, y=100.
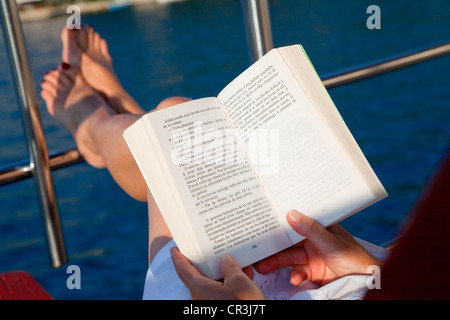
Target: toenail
x=65, y=66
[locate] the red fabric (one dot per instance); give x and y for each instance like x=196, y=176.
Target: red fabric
x=20, y=285
x=419, y=267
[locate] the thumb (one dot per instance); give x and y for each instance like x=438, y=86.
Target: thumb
x=322, y=239
x=229, y=267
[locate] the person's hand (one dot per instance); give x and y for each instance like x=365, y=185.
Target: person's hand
x=236, y=284
x=326, y=254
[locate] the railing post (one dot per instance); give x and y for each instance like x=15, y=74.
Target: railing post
x=259, y=28
x=39, y=160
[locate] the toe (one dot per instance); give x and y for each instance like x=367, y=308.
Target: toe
x=95, y=41
x=65, y=79
x=57, y=79
x=70, y=51
x=69, y=35
x=48, y=93
x=104, y=49
x=83, y=38
x=90, y=32
x=68, y=71
x=51, y=82
x=47, y=96
x=71, y=76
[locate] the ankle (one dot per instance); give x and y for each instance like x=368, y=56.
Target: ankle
x=122, y=102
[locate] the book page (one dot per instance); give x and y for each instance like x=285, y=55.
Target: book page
x=297, y=157
x=310, y=82
x=221, y=194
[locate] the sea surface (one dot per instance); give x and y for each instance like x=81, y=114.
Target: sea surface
x=401, y=120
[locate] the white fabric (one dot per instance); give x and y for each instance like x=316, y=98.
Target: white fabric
x=163, y=283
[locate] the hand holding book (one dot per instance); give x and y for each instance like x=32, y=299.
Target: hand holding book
x=322, y=258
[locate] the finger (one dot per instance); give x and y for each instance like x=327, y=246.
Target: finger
x=300, y=273
x=198, y=285
x=285, y=258
x=339, y=231
x=229, y=267
x=248, y=272
x=313, y=230
x=236, y=282
x=185, y=270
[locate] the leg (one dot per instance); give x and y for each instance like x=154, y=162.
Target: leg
x=98, y=133
x=123, y=168
x=158, y=233
x=71, y=103
x=121, y=165
x=96, y=130
x=107, y=139
x=85, y=49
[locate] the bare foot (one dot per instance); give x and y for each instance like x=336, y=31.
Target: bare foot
x=86, y=50
x=75, y=105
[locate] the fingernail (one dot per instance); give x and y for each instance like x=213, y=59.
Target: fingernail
x=46, y=73
x=295, y=216
x=296, y=278
x=225, y=259
x=65, y=66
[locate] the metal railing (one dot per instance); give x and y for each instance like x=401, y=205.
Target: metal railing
x=390, y=64
x=38, y=165
x=257, y=18
x=258, y=26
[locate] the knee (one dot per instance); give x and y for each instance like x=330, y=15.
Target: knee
x=171, y=102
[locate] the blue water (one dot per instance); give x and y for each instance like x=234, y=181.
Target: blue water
x=194, y=48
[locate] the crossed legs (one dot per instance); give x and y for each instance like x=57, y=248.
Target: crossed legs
x=86, y=97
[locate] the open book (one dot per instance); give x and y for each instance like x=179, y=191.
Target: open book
x=225, y=171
